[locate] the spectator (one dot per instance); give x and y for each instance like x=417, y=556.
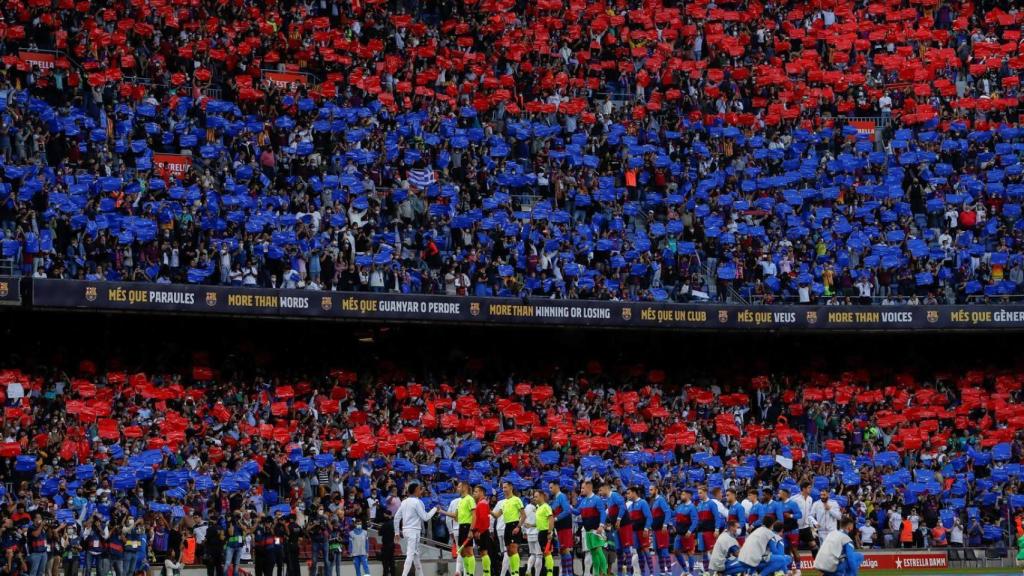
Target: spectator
x=705, y=156
x=867, y=535
x=357, y=548
x=956, y=534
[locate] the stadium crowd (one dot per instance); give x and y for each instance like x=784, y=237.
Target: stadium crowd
x=109, y=468
x=622, y=149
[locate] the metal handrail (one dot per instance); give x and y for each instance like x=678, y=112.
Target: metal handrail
x=428, y=542
x=899, y=300
x=145, y=80
x=985, y=299
x=8, y=267
x=614, y=95
x=794, y=299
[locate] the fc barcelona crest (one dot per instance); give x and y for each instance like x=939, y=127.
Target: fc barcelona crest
x=812, y=316
x=474, y=308
x=723, y=316
x=90, y=293
x=627, y=313
x=933, y=316
x=4, y=289
x=325, y=303
x=211, y=298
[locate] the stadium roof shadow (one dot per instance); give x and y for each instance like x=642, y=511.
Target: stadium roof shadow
x=164, y=342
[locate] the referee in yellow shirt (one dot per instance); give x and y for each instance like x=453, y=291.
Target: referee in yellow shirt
x=463, y=516
x=544, y=513
x=512, y=514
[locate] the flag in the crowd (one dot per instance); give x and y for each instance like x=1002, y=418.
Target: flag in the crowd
x=421, y=177
x=785, y=458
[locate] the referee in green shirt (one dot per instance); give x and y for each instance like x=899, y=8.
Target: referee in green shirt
x=544, y=513
x=512, y=513
x=463, y=516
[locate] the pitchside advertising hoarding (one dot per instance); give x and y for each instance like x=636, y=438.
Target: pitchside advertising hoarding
x=542, y=312
x=10, y=291
x=900, y=561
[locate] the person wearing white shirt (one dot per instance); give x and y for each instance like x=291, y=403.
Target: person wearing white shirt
x=225, y=264
x=804, y=292
x=498, y=528
x=534, y=562
x=837, y=555
x=748, y=502
x=895, y=522
x=249, y=274
x=717, y=499
x=757, y=552
x=945, y=241
x=826, y=515
x=409, y=522
x=915, y=525
x=499, y=525
x=952, y=218
x=453, y=527
x=172, y=568
x=453, y=530
x=723, y=555
x=863, y=286
x=956, y=535
x=885, y=104
x=867, y=535
x=806, y=523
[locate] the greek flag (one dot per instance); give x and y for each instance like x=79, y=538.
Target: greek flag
x=785, y=458
x=421, y=177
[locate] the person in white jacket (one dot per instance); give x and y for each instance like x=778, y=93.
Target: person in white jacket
x=805, y=524
x=409, y=523
x=762, y=552
x=723, y=556
x=453, y=531
x=172, y=568
x=837, y=556
x=535, y=561
x=826, y=515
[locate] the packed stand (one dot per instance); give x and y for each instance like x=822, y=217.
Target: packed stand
x=614, y=150
x=112, y=469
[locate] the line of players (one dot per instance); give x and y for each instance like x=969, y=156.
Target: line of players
x=644, y=535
